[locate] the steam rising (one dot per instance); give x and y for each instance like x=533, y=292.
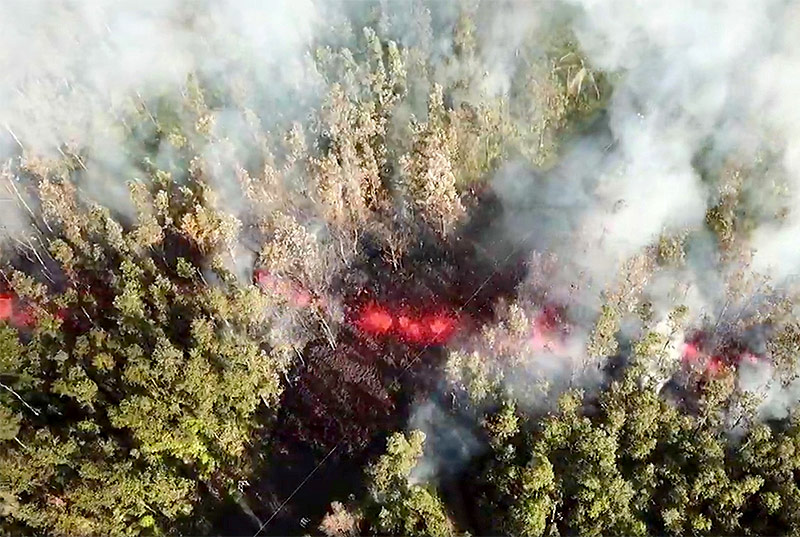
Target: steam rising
x=690, y=76
x=707, y=79
x=69, y=65
x=697, y=75
x=73, y=70
x=449, y=445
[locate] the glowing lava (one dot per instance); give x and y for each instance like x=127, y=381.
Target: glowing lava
x=6, y=307
x=14, y=313
x=690, y=352
x=427, y=329
x=375, y=320
x=693, y=356
x=294, y=294
x=372, y=318
x=548, y=330
x=718, y=360
x=410, y=329
x=441, y=327
x=714, y=366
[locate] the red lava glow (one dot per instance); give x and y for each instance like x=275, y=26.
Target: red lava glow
x=712, y=365
x=548, y=330
x=694, y=357
x=6, y=307
x=441, y=327
x=428, y=329
x=690, y=352
x=371, y=318
x=375, y=320
x=410, y=329
x=16, y=315
x=294, y=294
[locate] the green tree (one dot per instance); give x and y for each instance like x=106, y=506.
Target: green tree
x=633, y=464
x=134, y=387
x=398, y=506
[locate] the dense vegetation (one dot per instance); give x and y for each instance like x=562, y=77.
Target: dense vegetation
x=160, y=356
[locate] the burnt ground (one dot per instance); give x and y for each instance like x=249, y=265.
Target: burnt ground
x=343, y=402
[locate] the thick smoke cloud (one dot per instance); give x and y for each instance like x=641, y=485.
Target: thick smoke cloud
x=689, y=75
x=694, y=76
x=72, y=70
x=449, y=444
x=686, y=78
x=68, y=65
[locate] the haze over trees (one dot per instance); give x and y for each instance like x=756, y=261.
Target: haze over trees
x=491, y=286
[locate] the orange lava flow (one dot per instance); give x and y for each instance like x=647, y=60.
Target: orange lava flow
x=6, y=307
x=548, y=330
x=419, y=329
x=16, y=315
x=375, y=320
x=294, y=294
x=441, y=327
x=372, y=319
x=694, y=357
x=716, y=362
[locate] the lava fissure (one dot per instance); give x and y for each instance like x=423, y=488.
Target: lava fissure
x=702, y=352
x=405, y=324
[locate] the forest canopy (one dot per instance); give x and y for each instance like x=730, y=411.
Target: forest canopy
x=399, y=269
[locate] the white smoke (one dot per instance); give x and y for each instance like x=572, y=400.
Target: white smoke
x=689, y=76
x=704, y=76
x=73, y=70
x=690, y=79
x=678, y=72
x=695, y=75
x=449, y=444
x=775, y=399
x=67, y=65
